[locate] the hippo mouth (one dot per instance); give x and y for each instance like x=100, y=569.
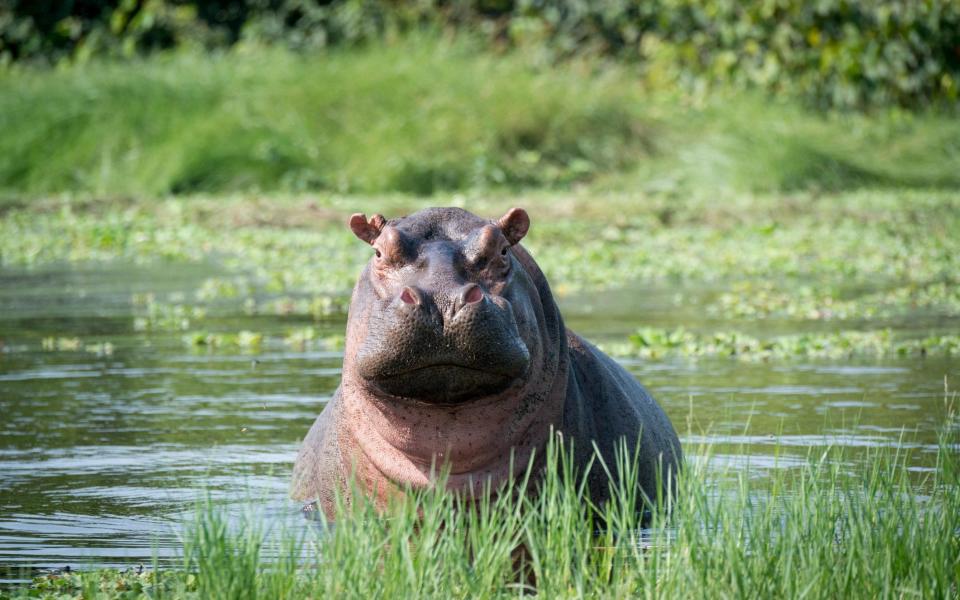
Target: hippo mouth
x=447, y=383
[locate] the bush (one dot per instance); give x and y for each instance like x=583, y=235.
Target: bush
x=830, y=52
x=833, y=52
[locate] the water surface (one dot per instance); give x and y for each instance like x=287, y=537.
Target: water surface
x=105, y=449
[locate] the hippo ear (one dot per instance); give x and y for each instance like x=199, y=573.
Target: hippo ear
x=514, y=224
x=367, y=231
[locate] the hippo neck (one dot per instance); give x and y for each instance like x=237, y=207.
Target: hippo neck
x=487, y=440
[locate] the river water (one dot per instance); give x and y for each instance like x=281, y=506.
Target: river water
x=104, y=449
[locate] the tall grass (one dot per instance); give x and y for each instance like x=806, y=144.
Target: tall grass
x=422, y=115
x=417, y=117
x=838, y=526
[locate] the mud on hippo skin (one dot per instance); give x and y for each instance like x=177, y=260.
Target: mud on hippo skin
x=456, y=352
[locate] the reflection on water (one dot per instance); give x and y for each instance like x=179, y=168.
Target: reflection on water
x=101, y=455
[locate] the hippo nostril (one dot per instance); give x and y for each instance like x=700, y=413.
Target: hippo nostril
x=410, y=296
x=468, y=294
x=472, y=294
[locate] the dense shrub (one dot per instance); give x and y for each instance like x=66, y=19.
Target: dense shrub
x=831, y=52
x=836, y=52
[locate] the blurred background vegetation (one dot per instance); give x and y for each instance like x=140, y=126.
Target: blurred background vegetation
x=831, y=52
x=420, y=96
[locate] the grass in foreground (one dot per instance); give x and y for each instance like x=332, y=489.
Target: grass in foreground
x=870, y=526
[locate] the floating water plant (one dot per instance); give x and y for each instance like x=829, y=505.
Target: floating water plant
x=658, y=342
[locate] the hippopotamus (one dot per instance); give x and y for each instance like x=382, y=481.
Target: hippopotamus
x=456, y=355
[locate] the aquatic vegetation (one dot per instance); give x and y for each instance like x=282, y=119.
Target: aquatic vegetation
x=819, y=529
x=309, y=337
x=874, y=255
x=648, y=342
x=106, y=583
x=219, y=288
x=901, y=237
x=153, y=315
x=813, y=244
x=243, y=340
x=74, y=344
x=61, y=344
x=319, y=307
x=763, y=299
x=304, y=338
x=657, y=343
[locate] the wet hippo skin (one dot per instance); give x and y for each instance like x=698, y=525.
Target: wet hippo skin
x=456, y=353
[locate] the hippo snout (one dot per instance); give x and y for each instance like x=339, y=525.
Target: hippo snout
x=467, y=296
x=464, y=345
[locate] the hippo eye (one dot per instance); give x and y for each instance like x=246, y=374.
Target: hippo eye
x=504, y=251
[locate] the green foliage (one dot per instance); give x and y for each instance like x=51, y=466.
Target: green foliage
x=52, y=30
x=831, y=52
x=827, y=525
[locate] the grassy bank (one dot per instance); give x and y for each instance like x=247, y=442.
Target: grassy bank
x=422, y=115
x=824, y=527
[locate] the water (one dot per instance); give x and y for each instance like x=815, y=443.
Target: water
x=103, y=451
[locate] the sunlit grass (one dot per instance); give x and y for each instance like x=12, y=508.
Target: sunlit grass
x=829, y=526
x=428, y=114
x=417, y=117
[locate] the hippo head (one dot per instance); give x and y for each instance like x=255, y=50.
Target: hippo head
x=445, y=311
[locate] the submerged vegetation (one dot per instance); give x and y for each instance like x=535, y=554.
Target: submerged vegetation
x=823, y=526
